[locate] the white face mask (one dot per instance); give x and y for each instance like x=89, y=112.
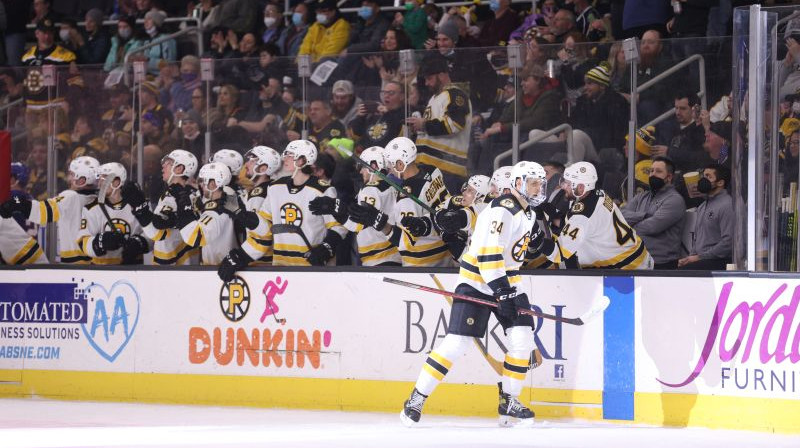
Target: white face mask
x=64, y=35
x=151, y=31
x=796, y=107
x=322, y=19
x=269, y=21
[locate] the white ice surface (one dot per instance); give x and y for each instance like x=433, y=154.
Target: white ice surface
x=46, y=423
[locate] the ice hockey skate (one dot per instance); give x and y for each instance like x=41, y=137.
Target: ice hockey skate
x=412, y=408
x=511, y=412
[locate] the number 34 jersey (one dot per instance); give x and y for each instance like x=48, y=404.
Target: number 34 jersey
x=596, y=231
x=498, y=246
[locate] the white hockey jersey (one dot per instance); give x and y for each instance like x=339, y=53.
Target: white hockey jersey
x=94, y=222
x=428, y=251
x=374, y=247
x=288, y=222
x=498, y=246
x=16, y=246
x=66, y=209
x=168, y=245
x=212, y=232
x=253, y=202
x=596, y=231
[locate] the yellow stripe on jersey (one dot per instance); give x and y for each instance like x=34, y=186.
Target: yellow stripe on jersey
x=490, y=250
x=331, y=224
x=107, y=261
x=617, y=259
x=425, y=261
x=388, y=253
x=82, y=242
x=290, y=248
x=280, y=260
x=264, y=215
x=197, y=238
x=444, y=165
x=178, y=256
x=26, y=251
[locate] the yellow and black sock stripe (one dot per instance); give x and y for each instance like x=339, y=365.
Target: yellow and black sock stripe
x=437, y=366
x=515, y=368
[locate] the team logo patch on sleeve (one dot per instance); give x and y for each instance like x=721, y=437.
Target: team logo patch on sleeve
x=578, y=207
x=211, y=205
x=507, y=203
x=256, y=191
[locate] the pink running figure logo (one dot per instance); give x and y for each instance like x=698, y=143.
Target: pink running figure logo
x=272, y=289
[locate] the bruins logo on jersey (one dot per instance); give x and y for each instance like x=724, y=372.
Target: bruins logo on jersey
x=256, y=192
x=507, y=203
x=377, y=131
x=458, y=200
x=521, y=247
x=578, y=207
x=291, y=214
x=234, y=299
x=210, y=205
x=335, y=133
x=120, y=225
x=34, y=82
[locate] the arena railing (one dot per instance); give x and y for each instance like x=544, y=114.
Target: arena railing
x=564, y=127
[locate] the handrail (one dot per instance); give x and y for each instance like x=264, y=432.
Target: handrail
x=537, y=139
x=152, y=44
x=674, y=69
x=8, y=107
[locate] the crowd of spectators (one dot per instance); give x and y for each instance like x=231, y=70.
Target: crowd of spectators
x=574, y=72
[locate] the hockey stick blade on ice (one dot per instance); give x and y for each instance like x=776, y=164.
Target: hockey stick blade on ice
x=593, y=312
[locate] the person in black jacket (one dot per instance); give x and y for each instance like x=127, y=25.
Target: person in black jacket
x=601, y=112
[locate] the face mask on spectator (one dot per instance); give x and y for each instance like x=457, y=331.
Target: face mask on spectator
x=322, y=19
x=656, y=183
x=494, y=5
x=796, y=107
x=188, y=77
x=269, y=21
x=704, y=186
x=151, y=31
x=297, y=19
x=125, y=33
x=409, y=6
x=64, y=35
x=365, y=12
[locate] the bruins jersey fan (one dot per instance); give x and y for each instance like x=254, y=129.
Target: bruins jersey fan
x=45, y=52
x=595, y=231
x=16, y=246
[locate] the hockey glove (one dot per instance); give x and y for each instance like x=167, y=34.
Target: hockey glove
x=176, y=190
x=133, y=195
x=107, y=241
x=368, y=215
x=319, y=255
x=451, y=220
x=246, y=219
x=167, y=221
x=324, y=205
x=417, y=226
x=537, y=238
x=456, y=242
x=16, y=204
x=236, y=260
x=133, y=248
x=507, y=299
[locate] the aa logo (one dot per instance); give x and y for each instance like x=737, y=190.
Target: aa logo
x=234, y=299
x=113, y=315
x=291, y=215
x=520, y=247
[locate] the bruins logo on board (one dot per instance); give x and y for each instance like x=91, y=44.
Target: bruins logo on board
x=377, y=131
x=507, y=203
x=120, y=225
x=291, y=214
x=521, y=247
x=578, y=207
x=234, y=299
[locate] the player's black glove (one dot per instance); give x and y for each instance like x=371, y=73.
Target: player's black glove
x=451, y=220
x=176, y=190
x=456, y=242
x=133, y=248
x=368, y=215
x=507, y=301
x=537, y=238
x=133, y=195
x=16, y=204
x=185, y=213
x=163, y=222
x=246, y=219
x=236, y=260
x=417, y=226
x=324, y=205
x=107, y=241
x=319, y=255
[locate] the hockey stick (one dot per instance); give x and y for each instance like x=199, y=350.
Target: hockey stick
x=388, y=180
x=596, y=309
x=288, y=228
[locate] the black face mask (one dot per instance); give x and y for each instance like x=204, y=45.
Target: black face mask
x=704, y=186
x=656, y=183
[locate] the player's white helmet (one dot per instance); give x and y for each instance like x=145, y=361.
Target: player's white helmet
x=501, y=179
x=526, y=171
x=480, y=184
x=374, y=154
x=231, y=158
x=216, y=171
x=581, y=173
x=181, y=157
x=264, y=155
x=402, y=149
x=113, y=170
x=86, y=167
x=304, y=148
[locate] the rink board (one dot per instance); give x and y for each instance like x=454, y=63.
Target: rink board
x=665, y=352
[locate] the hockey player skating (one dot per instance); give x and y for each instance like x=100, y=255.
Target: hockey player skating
x=595, y=235
x=109, y=233
x=374, y=247
x=489, y=271
x=211, y=230
x=65, y=209
x=425, y=183
x=262, y=163
x=177, y=169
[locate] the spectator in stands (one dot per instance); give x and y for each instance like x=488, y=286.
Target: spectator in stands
x=388, y=61
x=328, y=36
x=658, y=215
x=272, y=116
x=587, y=19
x=323, y=126
x=501, y=24
x=37, y=163
x=652, y=63
x=153, y=131
x=377, y=124
x=199, y=103
x=367, y=32
x=601, y=112
x=466, y=34
x=150, y=103
x=13, y=89
x=94, y=45
x=142, y=7
x=643, y=15
x=790, y=130
x=228, y=105
x=190, y=136
x=685, y=147
x=301, y=18
x=239, y=15
x=221, y=38
x=531, y=22
x=617, y=65
x=536, y=54
x=66, y=35
x=166, y=50
x=123, y=42
x=717, y=144
x=180, y=92
x=168, y=74
x=42, y=9
x=789, y=70
x=563, y=24
x=414, y=22
x=712, y=239
x=344, y=102
x=274, y=31
x=574, y=60
x=208, y=13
